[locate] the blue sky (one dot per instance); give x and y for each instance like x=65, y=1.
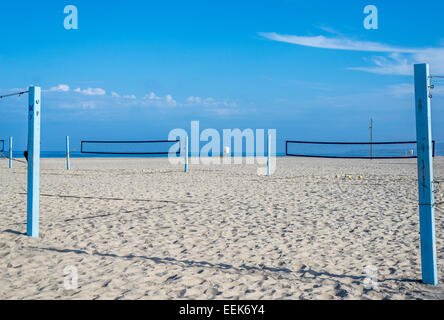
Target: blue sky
x=137, y=69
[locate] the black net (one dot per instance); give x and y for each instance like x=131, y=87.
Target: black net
x=158, y=147
x=353, y=150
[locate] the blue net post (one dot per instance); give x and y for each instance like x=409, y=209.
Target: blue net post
x=68, y=166
x=425, y=174
x=34, y=116
x=269, y=155
x=10, y=152
x=186, y=154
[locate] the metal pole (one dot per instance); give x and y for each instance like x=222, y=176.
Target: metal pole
x=10, y=152
x=68, y=166
x=371, y=138
x=425, y=174
x=33, y=161
x=186, y=154
x=269, y=155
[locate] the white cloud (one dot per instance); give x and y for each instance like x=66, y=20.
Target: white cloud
x=152, y=99
x=91, y=91
x=152, y=96
x=393, y=64
x=129, y=96
x=60, y=88
x=194, y=100
x=169, y=99
x=335, y=43
x=94, y=92
x=398, y=62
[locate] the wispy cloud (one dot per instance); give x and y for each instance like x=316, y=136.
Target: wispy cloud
x=91, y=91
x=394, y=63
x=128, y=96
x=397, y=61
x=88, y=104
x=327, y=29
x=335, y=43
x=60, y=88
x=401, y=90
x=195, y=100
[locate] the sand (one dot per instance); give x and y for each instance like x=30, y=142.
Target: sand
x=143, y=229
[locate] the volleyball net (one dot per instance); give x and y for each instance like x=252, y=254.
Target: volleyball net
x=353, y=150
x=147, y=148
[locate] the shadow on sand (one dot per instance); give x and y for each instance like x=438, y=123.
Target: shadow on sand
x=111, y=198
x=303, y=272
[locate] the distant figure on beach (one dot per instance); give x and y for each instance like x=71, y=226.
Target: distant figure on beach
x=226, y=151
x=26, y=155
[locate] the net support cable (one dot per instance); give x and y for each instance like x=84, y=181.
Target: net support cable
x=14, y=94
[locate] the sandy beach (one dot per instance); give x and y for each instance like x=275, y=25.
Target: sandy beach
x=143, y=229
